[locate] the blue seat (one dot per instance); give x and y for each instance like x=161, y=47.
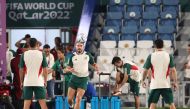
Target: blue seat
x=171, y=8
x=128, y=37
x=150, y=15
x=146, y=37
x=111, y=29
x=147, y=22
x=170, y=2
x=151, y=2
x=166, y=36
x=134, y=9
x=152, y=8
x=172, y=22
x=148, y=29
x=114, y=37
x=118, y=2
x=132, y=15
x=134, y=2
x=113, y=23
x=114, y=15
x=132, y=29
x=168, y=15
x=130, y=22
x=166, y=29
x=116, y=8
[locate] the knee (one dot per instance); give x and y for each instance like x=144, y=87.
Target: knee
x=78, y=99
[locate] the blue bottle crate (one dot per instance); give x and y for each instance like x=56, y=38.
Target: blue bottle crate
x=94, y=103
x=115, y=102
x=104, y=103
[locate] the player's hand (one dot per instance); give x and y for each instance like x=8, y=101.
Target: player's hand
x=175, y=86
x=144, y=84
x=21, y=85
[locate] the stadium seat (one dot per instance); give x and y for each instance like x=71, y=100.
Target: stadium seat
x=105, y=66
x=117, y=2
x=116, y=8
x=174, y=9
x=145, y=44
x=113, y=23
x=148, y=29
x=108, y=44
x=114, y=15
x=126, y=53
x=152, y=9
x=134, y=2
x=166, y=29
x=153, y=2
x=132, y=15
x=148, y=36
x=128, y=37
x=172, y=22
x=170, y=2
x=132, y=29
x=110, y=37
x=150, y=15
x=130, y=22
x=111, y=29
x=166, y=36
x=168, y=15
x=147, y=22
x=126, y=44
x=135, y=9
x=108, y=48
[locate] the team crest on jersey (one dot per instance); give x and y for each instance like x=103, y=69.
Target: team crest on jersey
x=85, y=58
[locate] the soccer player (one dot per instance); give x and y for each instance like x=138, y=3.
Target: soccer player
x=131, y=74
x=78, y=65
x=35, y=77
x=162, y=64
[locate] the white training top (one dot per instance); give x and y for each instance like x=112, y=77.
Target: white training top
x=160, y=63
x=80, y=63
x=32, y=61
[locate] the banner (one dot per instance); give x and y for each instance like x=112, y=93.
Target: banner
x=85, y=20
x=3, y=45
x=43, y=13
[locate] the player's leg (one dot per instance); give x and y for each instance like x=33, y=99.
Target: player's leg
x=80, y=93
x=27, y=95
x=27, y=104
x=40, y=95
x=153, y=98
x=71, y=94
x=137, y=102
x=134, y=87
x=168, y=97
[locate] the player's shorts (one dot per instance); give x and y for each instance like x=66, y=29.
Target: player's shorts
x=166, y=93
x=39, y=92
x=78, y=82
x=134, y=86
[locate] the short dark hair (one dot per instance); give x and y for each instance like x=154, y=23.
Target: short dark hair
x=115, y=59
x=61, y=50
x=159, y=43
x=188, y=45
x=27, y=36
x=58, y=39
x=46, y=46
x=33, y=42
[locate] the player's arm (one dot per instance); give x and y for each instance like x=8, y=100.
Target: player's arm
x=21, y=69
x=17, y=44
x=173, y=72
x=45, y=72
x=146, y=67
